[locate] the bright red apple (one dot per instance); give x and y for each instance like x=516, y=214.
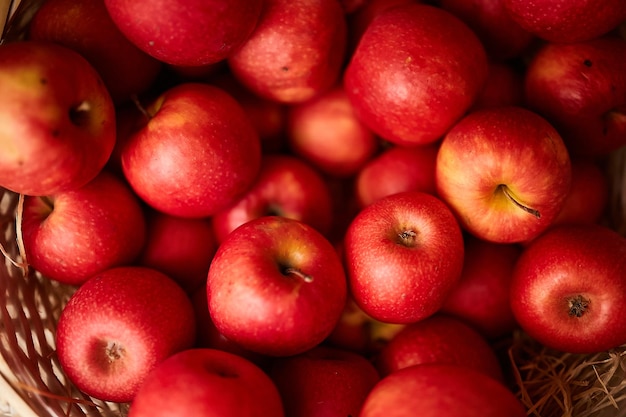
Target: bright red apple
x=196, y=154
x=397, y=169
x=285, y=186
x=415, y=72
x=207, y=382
x=569, y=288
x=86, y=27
x=481, y=297
x=295, y=52
x=326, y=132
x=57, y=126
x=118, y=326
x=567, y=21
x=505, y=173
x=439, y=339
x=403, y=254
x=323, y=382
x=73, y=235
x=276, y=286
x=192, y=33
x=581, y=89
x=435, y=390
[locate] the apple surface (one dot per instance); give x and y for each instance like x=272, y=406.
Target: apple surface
x=186, y=33
x=403, y=254
x=437, y=339
x=118, y=326
x=567, y=21
x=440, y=390
x=207, y=382
x=323, y=382
x=581, y=89
x=416, y=70
x=505, y=173
x=276, y=286
x=568, y=289
x=326, y=132
x=196, y=153
x=73, y=235
x=397, y=169
x=296, y=51
x=86, y=27
x=481, y=296
x=285, y=186
x=58, y=119
x=504, y=86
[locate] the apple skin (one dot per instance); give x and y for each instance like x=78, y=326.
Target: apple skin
x=505, y=173
x=296, y=51
x=567, y=21
x=437, y=339
x=186, y=33
x=118, y=326
x=504, y=86
x=58, y=119
x=294, y=288
x=503, y=37
x=440, y=390
x=180, y=248
x=588, y=198
x=323, y=382
x=397, y=169
x=207, y=382
x=326, y=132
x=481, y=297
x=197, y=153
x=415, y=72
x=403, y=254
x=568, y=289
x=286, y=186
x=86, y=27
x=73, y=235
x=581, y=89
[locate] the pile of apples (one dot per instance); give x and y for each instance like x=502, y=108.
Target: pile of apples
x=318, y=208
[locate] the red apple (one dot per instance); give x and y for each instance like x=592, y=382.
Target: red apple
x=502, y=36
x=295, y=52
x=207, y=382
x=588, y=198
x=326, y=132
x=323, y=382
x=191, y=33
x=581, y=89
x=415, y=72
x=569, y=288
x=481, y=297
x=397, y=169
x=504, y=87
x=276, y=286
x=57, y=127
x=435, y=390
x=180, y=248
x=567, y=21
x=118, y=326
x=403, y=254
x=197, y=153
x=73, y=235
x=439, y=339
x=286, y=186
x=86, y=27
x=505, y=172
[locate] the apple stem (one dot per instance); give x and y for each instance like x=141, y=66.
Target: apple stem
x=505, y=190
x=293, y=271
x=577, y=306
x=140, y=107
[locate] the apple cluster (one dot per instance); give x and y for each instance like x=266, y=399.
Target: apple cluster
x=318, y=208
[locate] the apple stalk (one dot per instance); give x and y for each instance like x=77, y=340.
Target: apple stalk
x=508, y=194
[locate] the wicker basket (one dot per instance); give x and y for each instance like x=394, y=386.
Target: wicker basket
x=550, y=384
